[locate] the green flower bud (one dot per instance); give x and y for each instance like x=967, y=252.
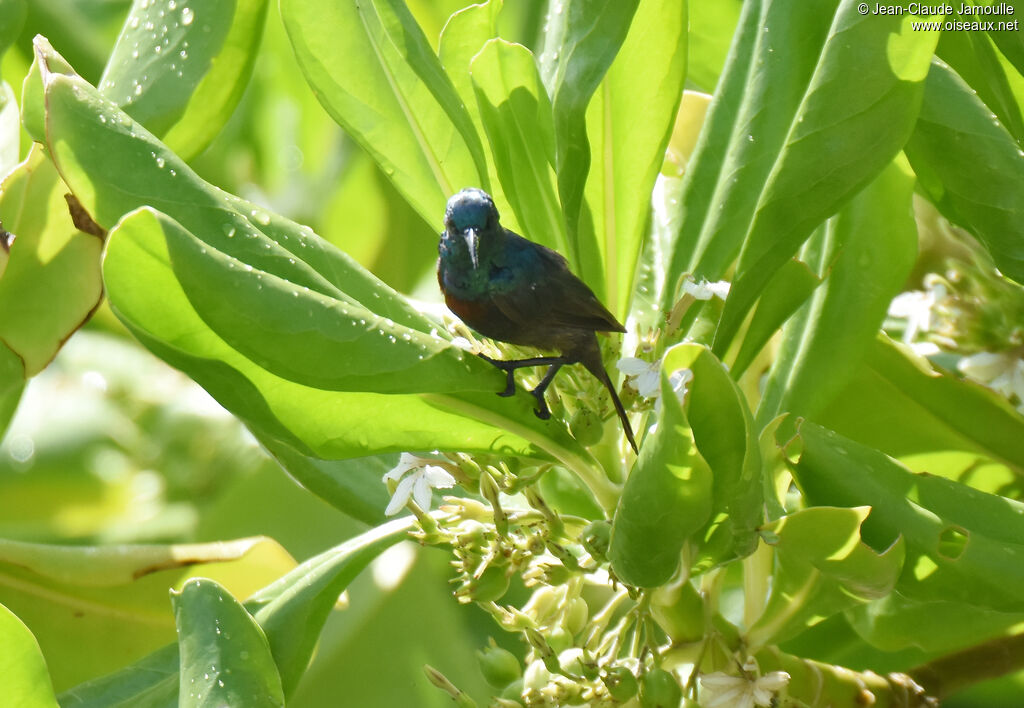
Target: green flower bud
x=576, y=615
x=620, y=682
x=500, y=667
x=596, y=537
x=659, y=689
x=559, y=639
x=490, y=586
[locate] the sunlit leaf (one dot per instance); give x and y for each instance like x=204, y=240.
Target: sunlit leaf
x=821, y=567
x=180, y=68
x=971, y=167
x=26, y=681
x=376, y=74
x=224, y=655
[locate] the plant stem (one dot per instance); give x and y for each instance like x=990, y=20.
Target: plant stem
x=953, y=672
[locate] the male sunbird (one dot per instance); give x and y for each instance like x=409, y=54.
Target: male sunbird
x=516, y=291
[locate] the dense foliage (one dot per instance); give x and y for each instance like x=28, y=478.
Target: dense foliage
x=810, y=217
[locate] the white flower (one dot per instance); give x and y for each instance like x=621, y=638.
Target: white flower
x=1002, y=372
x=424, y=477
x=916, y=306
x=719, y=690
x=462, y=343
x=645, y=375
x=705, y=290
x=646, y=378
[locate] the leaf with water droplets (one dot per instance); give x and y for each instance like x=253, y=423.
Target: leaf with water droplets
x=225, y=657
x=180, y=69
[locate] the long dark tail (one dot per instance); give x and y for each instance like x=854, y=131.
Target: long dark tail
x=591, y=359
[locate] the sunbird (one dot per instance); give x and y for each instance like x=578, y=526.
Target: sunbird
x=514, y=290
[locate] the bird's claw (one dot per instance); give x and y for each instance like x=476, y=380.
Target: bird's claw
x=541, y=411
x=510, y=385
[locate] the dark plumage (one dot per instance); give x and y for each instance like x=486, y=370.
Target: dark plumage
x=513, y=290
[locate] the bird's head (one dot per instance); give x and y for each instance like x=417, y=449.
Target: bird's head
x=471, y=214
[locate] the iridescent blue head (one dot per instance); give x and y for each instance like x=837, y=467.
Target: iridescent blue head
x=470, y=213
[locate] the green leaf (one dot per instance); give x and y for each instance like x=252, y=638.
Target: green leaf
x=788, y=289
x=898, y=403
x=874, y=238
x=814, y=102
x=858, y=111
x=971, y=54
x=93, y=609
x=821, y=567
x=464, y=35
x=712, y=26
x=666, y=499
x=962, y=545
x=291, y=332
x=629, y=122
x=517, y=117
x=581, y=39
x=376, y=74
x=145, y=293
x=52, y=280
x=26, y=681
x=12, y=382
x=724, y=432
x=896, y=622
x=12, y=18
x=971, y=167
x=180, y=71
x=290, y=611
x=224, y=655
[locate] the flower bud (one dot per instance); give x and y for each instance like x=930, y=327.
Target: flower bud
x=489, y=587
x=500, y=667
x=576, y=615
x=586, y=426
x=659, y=689
x=596, y=537
x=620, y=682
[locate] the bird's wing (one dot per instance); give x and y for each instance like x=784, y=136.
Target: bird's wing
x=536, y=285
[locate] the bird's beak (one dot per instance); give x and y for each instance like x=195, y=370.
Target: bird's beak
x=472, y=239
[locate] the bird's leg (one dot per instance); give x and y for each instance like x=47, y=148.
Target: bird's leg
x=509, y=367
x=542, y=411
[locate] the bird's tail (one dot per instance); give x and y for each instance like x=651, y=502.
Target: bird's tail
x=592, y=361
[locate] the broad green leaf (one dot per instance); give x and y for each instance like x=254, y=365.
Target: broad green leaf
x=858, y=110
x=224, y=655
x=464, y=35
x=629, y=122
x=26, y=681
x=292, y=333
x=180, y=68
x=290, y=611
x=145, y=293
x=971, y=54
x=52, y=281
x=666, y=499
x=723, y=430
x=932, y=422
x=352, y=486
x=97, y=148
x=875, y=241
x=821, y=567
x=376, y=74
x=712, y=25
x=788, y=289
x=971, y=167
x=962, y=545
x=93, y=609
x=517, y=117
x=12, y=17
x=896, y=622
x=581, y=39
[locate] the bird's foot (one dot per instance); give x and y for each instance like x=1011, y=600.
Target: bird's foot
x=541, y=411
x=510, y=383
